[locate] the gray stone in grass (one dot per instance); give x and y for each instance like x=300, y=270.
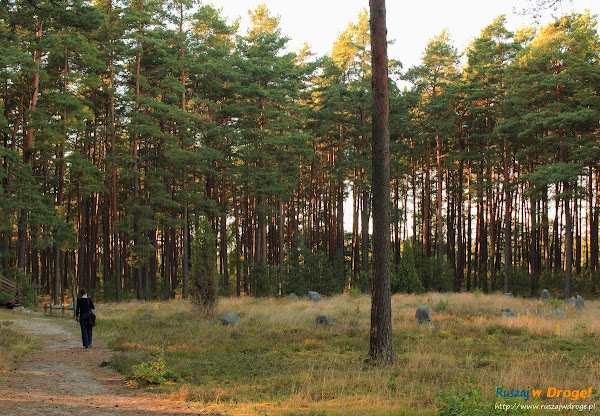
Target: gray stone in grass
x=545, y=295
x=148, y=315
x=510, y=295
x=579, y=304
x=314, y=296
x=423, y=316
x=323, y=319
x=572, y=301
x=230, y=319
x=508, y=313
x=559, y=313
x=293, y=296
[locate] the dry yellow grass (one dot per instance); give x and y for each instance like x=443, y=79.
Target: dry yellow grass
x=279, y=362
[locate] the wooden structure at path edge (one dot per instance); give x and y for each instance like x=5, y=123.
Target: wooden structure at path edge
x=10, y=287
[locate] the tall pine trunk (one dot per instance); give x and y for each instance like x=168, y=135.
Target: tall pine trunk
x=381, y=345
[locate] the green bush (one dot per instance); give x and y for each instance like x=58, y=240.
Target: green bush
x=354, y=292
x=441, y=305
x=27, y=292
x=404, y=275
x=469, y=401
x=153, y=372
x=6, y=298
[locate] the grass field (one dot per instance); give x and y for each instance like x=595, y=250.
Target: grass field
x=277, y=361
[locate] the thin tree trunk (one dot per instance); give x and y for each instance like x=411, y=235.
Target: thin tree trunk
x=507, y=217
x=281, y=247
x=186, y=249
x=460, y=260
x=577, y=242
x=238, y=247
x=439, y=223
x=545, y=230
x=427, y=205
x=136, y=173
x=533, y=251
x=364, y=230
x=469, y=229
x=223, y=245
x=113, y=190
x=28, y=148
x=568, y=240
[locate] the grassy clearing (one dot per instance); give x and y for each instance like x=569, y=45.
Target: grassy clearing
x=13, y=343
x=279, y=362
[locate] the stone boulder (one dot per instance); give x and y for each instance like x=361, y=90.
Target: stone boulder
x=148, y=315
x=314, y=296
x=579, y=304
x=423, y=316
x=230, y=319
x=559, y=313
x=323, y=319
x=545, y=295
x=508, y=313
x=293, y=296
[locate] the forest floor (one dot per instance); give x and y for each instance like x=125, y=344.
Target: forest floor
x=62, y=378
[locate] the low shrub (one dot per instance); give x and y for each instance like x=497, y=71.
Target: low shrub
x=153, y=372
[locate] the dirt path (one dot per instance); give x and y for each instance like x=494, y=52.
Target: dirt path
x=65, y=379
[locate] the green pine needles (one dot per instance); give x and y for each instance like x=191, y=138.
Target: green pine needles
x=405, y=277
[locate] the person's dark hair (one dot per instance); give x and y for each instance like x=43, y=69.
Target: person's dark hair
x=82, y=292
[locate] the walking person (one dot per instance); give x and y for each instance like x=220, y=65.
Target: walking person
x=82, y=312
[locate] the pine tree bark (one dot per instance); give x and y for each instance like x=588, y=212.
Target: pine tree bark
x=438, y=208
x=113, y=174
x=381, y=345
x=238, y=245
x=568, y=267
x=460, y=259
x=507, y=218
x=364, y=234
x=136, y=173
x=427, y=205
x=281, y=247
x=594, y=211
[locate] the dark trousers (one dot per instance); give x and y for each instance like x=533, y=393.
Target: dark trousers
x=86, y=331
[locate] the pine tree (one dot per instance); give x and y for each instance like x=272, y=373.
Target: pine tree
x=203, y=273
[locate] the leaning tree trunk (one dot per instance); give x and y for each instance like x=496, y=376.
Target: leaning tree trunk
x=381, y=346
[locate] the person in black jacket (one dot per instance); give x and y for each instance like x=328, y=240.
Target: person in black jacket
x=82, y=312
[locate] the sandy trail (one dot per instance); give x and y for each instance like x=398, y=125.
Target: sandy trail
x=62, y=378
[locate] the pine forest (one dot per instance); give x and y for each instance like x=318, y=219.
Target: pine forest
x=145, y=142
